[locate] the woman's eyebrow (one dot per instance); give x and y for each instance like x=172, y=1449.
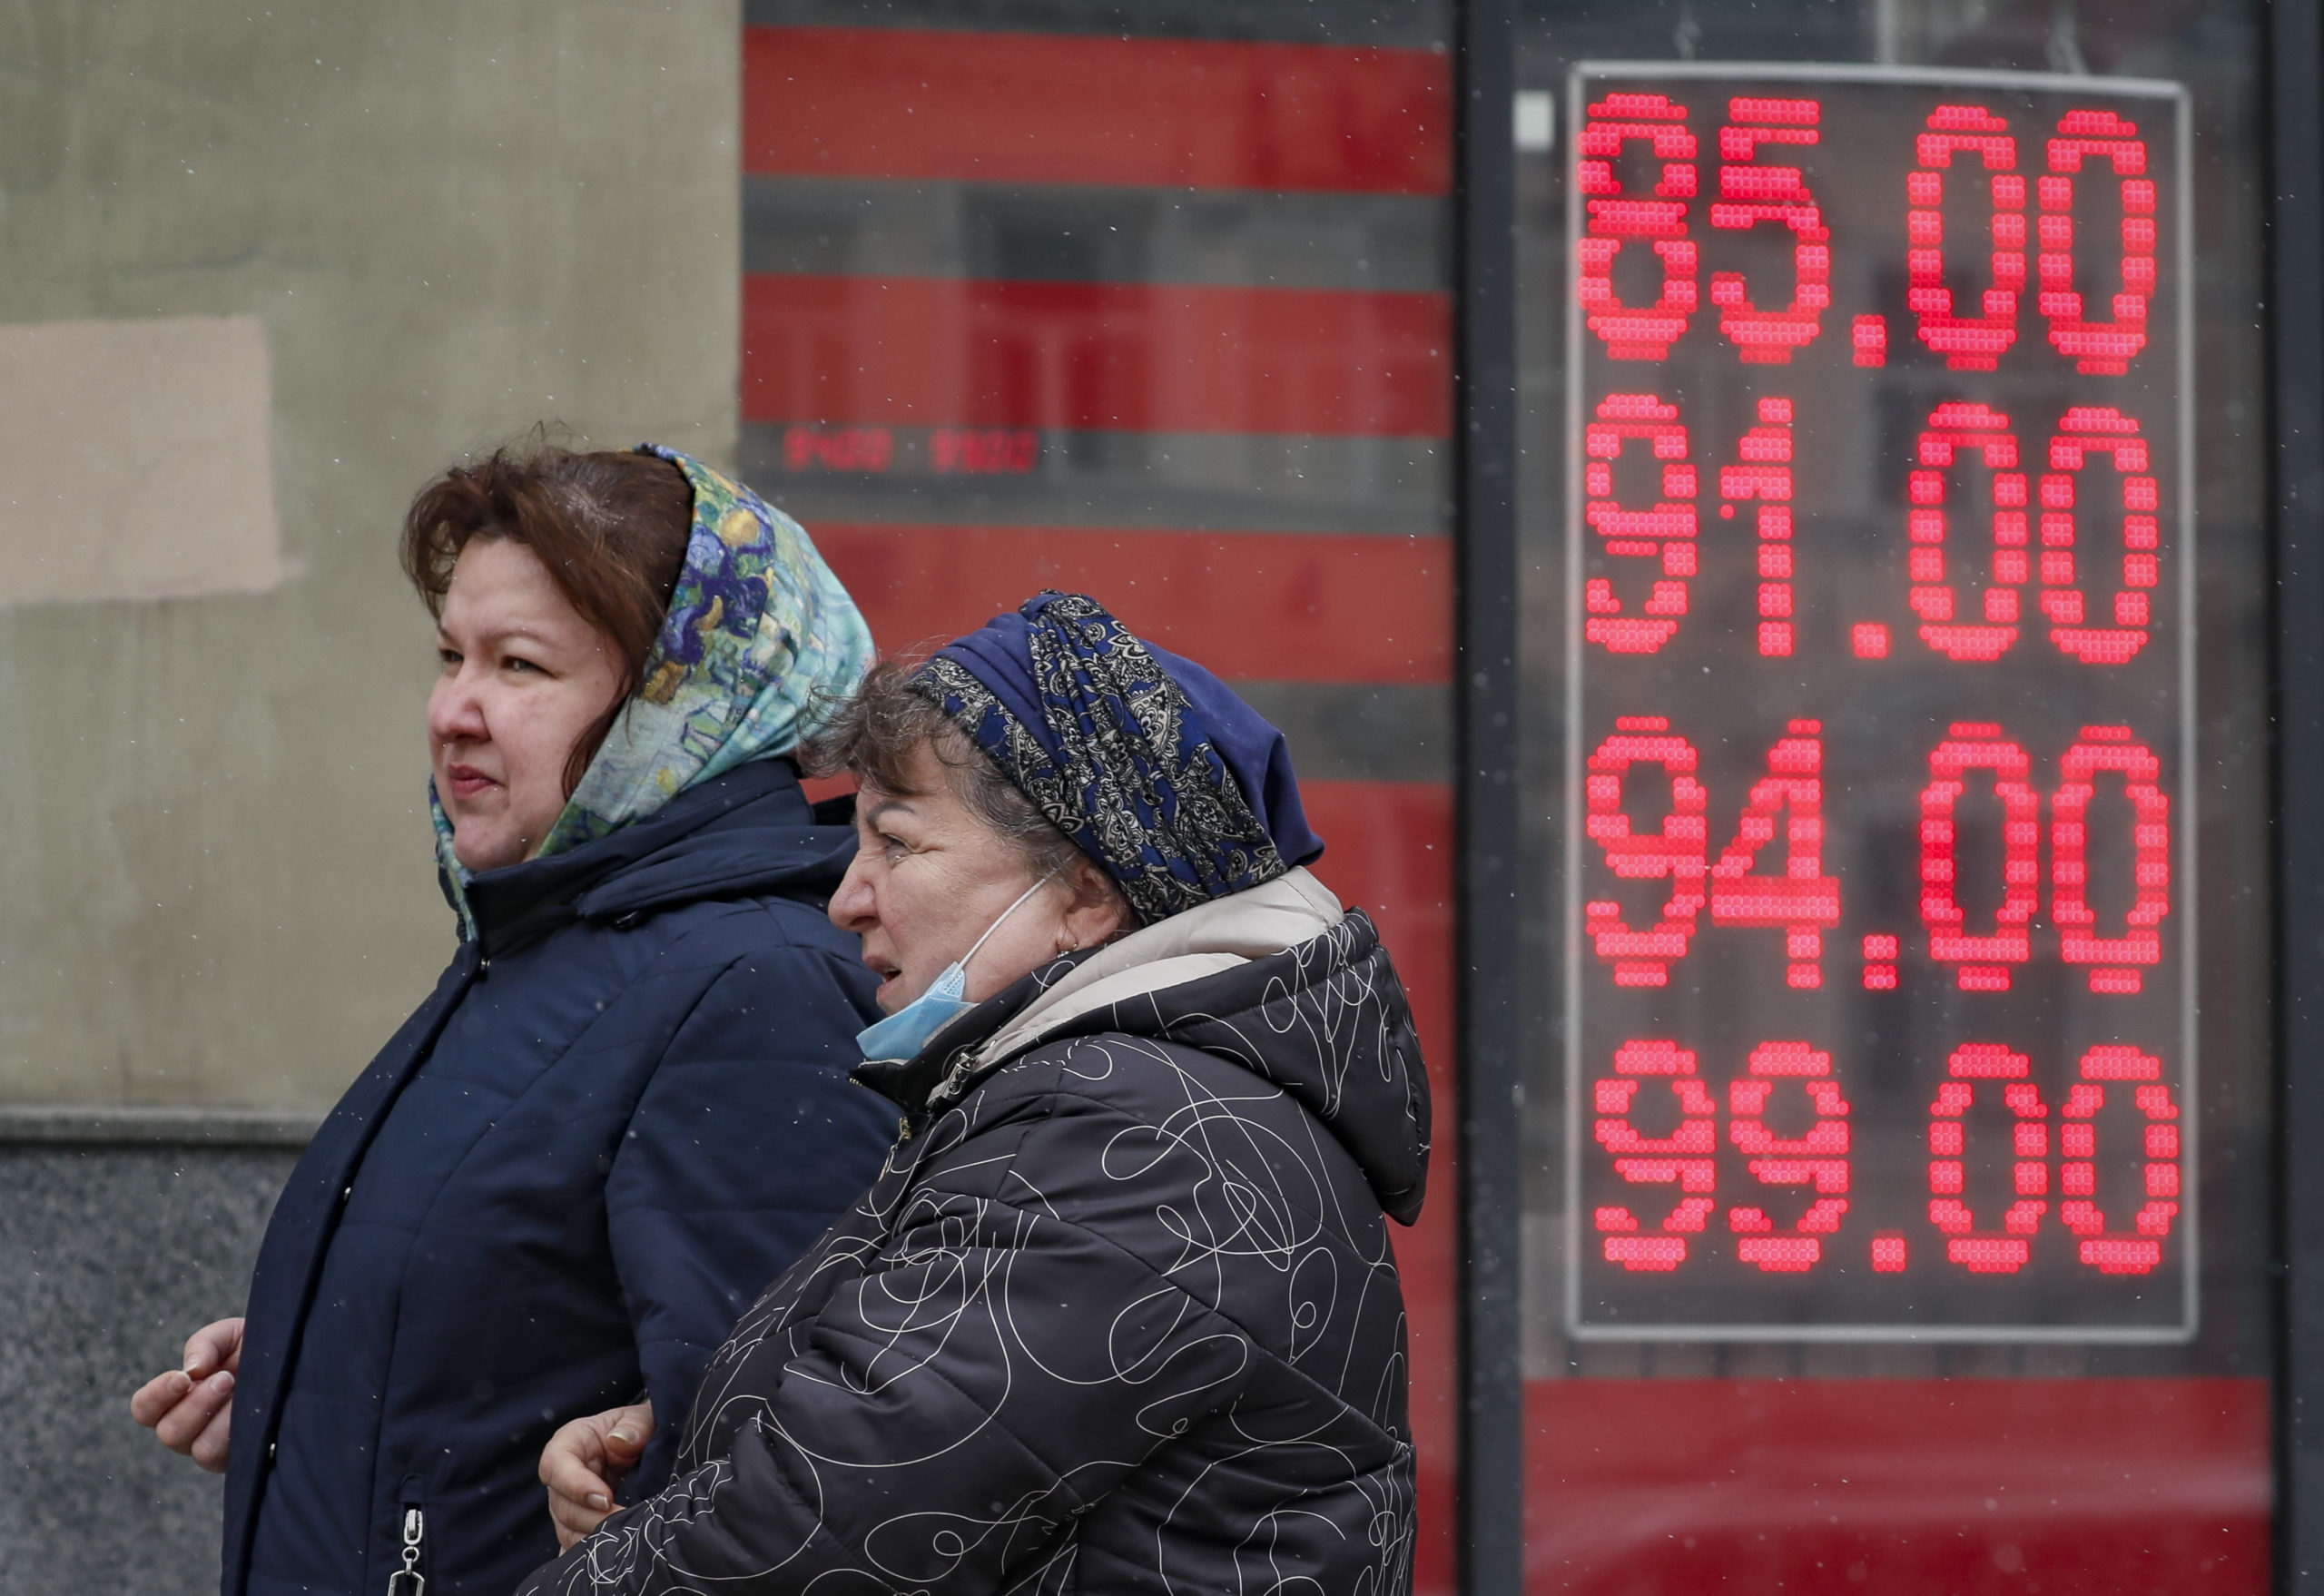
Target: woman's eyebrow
x=872, y=815
x=515, y=631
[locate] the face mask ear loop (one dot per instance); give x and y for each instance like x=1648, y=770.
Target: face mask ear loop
x=1004, y=913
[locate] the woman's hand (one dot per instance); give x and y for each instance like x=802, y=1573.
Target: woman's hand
x=585, y=1463
x=189, y=1409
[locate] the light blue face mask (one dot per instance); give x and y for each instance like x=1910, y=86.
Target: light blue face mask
x=902, y=1035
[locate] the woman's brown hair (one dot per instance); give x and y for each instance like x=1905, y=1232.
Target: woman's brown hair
x=609, y=527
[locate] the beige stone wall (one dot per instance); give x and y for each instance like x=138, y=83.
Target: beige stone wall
x=439, y=222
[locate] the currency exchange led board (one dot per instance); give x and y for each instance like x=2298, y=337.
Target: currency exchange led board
x=1880, y=707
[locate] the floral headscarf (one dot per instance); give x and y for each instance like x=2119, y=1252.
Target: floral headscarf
x=1179, y=789
x=759, y=639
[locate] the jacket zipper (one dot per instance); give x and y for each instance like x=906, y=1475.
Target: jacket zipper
x=408, y=1580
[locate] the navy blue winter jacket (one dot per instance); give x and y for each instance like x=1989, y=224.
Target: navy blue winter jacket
x=1121, y=1317
x=623, y=1110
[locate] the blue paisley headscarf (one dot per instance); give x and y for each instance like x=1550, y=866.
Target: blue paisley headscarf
x=760, y=637
x=1151, y=765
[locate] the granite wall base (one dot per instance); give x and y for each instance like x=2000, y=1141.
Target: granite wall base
x=111, y=1254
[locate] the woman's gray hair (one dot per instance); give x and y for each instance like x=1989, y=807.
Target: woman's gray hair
x=872, y=734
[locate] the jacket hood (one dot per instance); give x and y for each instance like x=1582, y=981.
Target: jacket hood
x=741, y=834
x=1279, y=979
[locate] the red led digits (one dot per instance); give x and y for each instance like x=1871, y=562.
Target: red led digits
x=1685, y=1158
x=1818, y=1159
x=1716, y=1188
x=838, y=448
x=1617, y=217
x=1800, y=901
x=1664, y=532
x=1682, y=1159
x=1751, y=194
x=1762, y=472
x=982, y=451
x=2101, y=348
x=1988, y=1251
x=1644, y=957
x=1955, y=428
x=1820, y=1156
x=1968, y=343
x=2082, y=432
x=2110, y=749
x=2138, y=1250
x=1982, y=962
x=1803, y=899
x=1869, y=337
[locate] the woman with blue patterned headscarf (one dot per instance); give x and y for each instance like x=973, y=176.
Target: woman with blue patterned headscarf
x=626, y=1106
x=1120, y=1314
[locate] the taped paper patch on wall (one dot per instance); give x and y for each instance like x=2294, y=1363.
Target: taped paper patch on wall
x=135, y=461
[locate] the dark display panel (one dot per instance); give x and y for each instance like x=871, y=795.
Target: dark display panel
x=1880, y=707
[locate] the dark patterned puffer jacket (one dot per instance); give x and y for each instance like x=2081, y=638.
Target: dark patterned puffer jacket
x=1119, y=1315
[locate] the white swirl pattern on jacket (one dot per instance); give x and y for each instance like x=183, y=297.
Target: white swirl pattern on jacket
x=1122, y=1316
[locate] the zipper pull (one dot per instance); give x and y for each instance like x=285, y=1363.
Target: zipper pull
x=408, y=1580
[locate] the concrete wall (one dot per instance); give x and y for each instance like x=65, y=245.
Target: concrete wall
x=429, y=225
x=265, y=269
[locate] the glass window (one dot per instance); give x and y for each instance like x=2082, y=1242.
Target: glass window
x=1900, y=1116
x=1154, y=303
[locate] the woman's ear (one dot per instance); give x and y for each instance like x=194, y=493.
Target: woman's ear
x=1099, y=913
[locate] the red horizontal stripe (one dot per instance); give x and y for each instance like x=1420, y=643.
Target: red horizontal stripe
x=1053, y=108
x=1135, y=357
x=1826, y=1487
x=1250, y=606
x=1388, y=851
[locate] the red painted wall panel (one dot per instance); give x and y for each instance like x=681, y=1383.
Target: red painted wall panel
x=1046, y=108
x=1904, y=1487
x=1258, y=607
x=973, y=352
x=1388, y=850
x=896, y=104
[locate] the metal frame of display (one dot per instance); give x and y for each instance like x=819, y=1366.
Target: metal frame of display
x=2296, y=51
x=1489, y=978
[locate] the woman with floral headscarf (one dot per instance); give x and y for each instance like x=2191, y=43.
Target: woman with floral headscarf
x=626, y=1106
x=1120, y=1314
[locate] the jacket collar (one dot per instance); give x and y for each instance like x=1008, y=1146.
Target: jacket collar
x=1223, y=934
x=747, y=831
